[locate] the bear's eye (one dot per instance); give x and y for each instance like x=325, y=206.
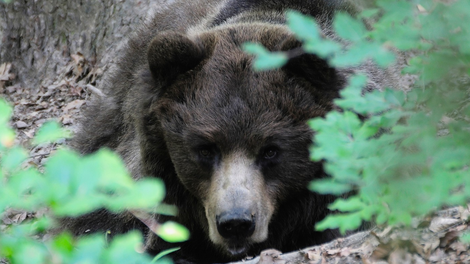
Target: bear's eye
x=206, y=153
x=270, y=153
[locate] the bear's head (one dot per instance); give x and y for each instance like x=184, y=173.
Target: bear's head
x=238, y=139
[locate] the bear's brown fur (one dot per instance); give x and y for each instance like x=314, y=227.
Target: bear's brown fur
x=230, y=143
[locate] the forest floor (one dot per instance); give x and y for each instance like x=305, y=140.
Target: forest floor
x=60, y=101
x=434, y=239
x=33, y=106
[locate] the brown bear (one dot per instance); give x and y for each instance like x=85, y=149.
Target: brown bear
x=231, y=144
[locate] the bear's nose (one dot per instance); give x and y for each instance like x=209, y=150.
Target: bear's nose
x=236, y=224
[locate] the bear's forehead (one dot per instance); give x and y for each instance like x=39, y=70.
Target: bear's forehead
x=239, y=92
x=235, y=126
x=245, y=108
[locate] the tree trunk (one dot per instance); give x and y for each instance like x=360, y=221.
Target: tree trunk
x=39, y=37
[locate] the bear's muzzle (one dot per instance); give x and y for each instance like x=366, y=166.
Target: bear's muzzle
x=238, y=207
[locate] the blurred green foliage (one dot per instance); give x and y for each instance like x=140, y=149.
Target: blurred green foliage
x=71, y=185
x=410, y=154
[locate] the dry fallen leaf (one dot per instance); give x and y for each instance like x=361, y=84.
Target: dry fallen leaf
x=459, y=247
x=5, y=74
x=427, y=247
x=66, y=119
x=29, y=133
x=79, y=63
x=334, y=251
x=76, y=104
x=439, y=224
x=313, y=255
x=271, y=256
x=400, y=256
x=12, y=216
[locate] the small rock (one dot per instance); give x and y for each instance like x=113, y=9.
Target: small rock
x=21, y=124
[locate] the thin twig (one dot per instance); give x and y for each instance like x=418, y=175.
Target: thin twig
x=94, y=90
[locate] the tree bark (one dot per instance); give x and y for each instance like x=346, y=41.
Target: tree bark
x=39, y=37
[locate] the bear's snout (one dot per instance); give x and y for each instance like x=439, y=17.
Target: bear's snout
x=238, y=206
x=237, y=224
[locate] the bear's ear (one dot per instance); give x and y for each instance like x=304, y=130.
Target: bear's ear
x=309, y=66
x=171, y=54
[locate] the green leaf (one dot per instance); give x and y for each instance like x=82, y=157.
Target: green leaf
x=395, y=11
x=77, y=205
x=368, y=13
x=89, y=249
x=395, y=97
x=361, y=51
x=323, y=49
x=265, y=60
x=403, y=37
x=348, y=27
x=347, y=205
x=61, y=169
x=354, y=56
x=105, y=168
x=42, y=224
x=351, y=122
x=465, y=238
x=25, y=250
x=466, y=111
x=366, y=131
x=327, y=186
x=173, y=232
x=50, y=131
x=270, y=61
x=383, y=57
x=433, y=27
x=254, y=48
x=357, y=82
x=21, y=184
x=344, y=222
x=147, y=193
x=382, y=217
x=13, y=158
x=304, y=27
x=5, y=112
x=63, y=244
x=127, y=249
